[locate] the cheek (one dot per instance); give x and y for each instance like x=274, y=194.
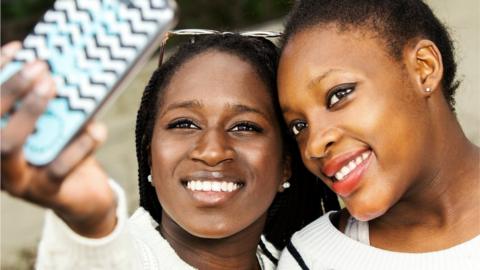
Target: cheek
x=266, y=167
x=166, y=152
x=166, y=157
x=265, y=162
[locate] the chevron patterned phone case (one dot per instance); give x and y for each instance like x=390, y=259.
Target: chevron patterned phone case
x=91, y=46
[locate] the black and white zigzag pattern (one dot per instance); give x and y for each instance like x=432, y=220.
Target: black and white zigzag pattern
x=105, y=36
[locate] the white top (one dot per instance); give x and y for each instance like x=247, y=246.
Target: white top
x=358, y=230
x=321, y=246
x=134, y=244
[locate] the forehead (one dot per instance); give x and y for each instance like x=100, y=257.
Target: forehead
x=329, y=45
x=218, y=77
x=320, y=49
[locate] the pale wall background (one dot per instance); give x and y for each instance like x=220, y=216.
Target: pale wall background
x=21, y=223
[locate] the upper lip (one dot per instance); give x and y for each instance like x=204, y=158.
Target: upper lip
x=332, y=165
x=211, y=176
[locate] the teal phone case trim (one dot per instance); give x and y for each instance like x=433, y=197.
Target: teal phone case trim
x=89, y=47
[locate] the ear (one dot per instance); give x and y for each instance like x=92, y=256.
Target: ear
x=426, y=60
x=287, y=172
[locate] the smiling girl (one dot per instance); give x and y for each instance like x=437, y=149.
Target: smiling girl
x=367, y=89
x=220, y=185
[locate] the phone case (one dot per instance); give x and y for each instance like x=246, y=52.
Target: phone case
x=91, y=47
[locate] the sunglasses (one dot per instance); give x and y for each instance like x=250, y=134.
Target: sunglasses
x=202, y=32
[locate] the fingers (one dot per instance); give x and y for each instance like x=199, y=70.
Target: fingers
x=8, y=51
x=84, y=144
x=21, y=83
x=22, y=123
x=13, y=136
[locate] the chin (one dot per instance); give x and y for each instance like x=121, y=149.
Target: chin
x=211, y=232
x=366, y=211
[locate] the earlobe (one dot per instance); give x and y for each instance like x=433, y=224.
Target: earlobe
x=427, y=61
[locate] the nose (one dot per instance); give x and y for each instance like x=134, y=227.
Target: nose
x=321, y=140
x=213, y=148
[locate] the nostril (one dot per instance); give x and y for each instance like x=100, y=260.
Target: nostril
x=328, y=145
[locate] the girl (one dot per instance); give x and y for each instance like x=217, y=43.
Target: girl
x=367, y=88
x=215, y=171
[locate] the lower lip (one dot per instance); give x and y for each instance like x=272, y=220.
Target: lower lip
x=345, y=187
x=212, y=198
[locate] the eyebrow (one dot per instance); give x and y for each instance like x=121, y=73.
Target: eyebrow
x=241, y=108
x=189, y=104
x=321, y=77
x=313, y=82
x=195, y=104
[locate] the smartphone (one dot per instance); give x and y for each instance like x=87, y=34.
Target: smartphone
x=92, y=49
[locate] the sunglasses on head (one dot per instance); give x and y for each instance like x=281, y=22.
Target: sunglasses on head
x=202, y=32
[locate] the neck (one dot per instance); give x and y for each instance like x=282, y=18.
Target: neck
x=237, y=251
x=446, y=201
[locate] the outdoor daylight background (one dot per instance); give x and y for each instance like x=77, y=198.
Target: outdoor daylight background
x=21, y=223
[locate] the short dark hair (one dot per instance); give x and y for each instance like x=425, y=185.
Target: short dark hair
x=397, y=21
x=291, y=210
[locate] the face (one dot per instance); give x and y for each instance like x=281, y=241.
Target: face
x=216, y=150
x=356, y=116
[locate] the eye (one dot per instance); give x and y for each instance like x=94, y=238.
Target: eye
x=247, y=127
x=182, y=124
x=297, y=126
x=338, y=93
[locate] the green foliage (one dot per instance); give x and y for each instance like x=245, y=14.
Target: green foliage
x=229, y=14
x=19, y=16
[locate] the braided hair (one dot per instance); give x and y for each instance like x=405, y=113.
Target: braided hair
x=396, y=22
x=307, y=198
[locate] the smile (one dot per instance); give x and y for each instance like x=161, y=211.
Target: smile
x=212, y=186
x=346, y=171
x=350, y=166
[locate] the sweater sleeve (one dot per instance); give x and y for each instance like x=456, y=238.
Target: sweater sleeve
x=62, y=248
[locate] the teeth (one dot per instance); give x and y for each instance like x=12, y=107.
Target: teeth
x=352, y=165
x=207, y=186
x=349, y=167
x=216, y=186
x=358, y=160
x=212, y=186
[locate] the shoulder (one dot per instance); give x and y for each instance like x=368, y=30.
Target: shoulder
x=154, y=251
x=308, y=244
x=267, y=253
x=316, y=231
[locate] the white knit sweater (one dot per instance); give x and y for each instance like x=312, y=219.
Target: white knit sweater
x=321, y=246
x=134, y=244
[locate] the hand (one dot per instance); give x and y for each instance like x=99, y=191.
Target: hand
x=73, y=185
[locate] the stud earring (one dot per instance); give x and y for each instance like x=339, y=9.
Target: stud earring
x=428, y=89
x=149, y=178
x=286, y=184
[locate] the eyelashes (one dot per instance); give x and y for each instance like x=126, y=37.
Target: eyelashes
x=182, y=124
x=333, y=98
x=338, y=93
x=243, y=126
x=246, y=127
x=297, y=126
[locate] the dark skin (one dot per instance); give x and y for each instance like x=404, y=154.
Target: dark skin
x=231, y=136
x=74, y=186
x=233, y=132
x=419, y=186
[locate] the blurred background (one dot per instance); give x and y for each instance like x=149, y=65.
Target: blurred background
x=21, y=223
